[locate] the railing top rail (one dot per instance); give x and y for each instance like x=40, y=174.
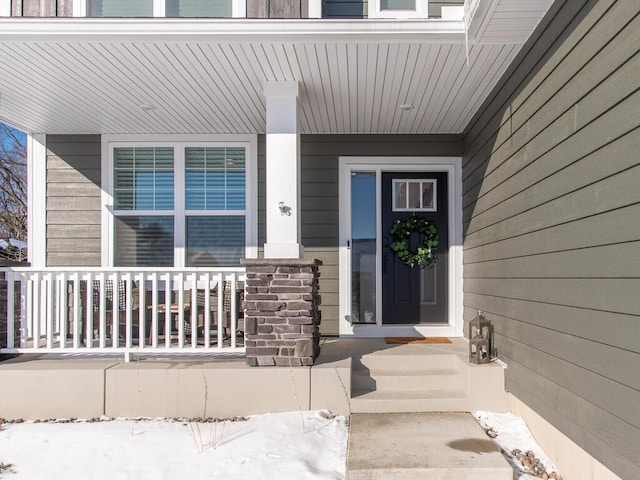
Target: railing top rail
x=149, y=270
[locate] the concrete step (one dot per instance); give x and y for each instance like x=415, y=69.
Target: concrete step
x=401, y=380
x=409, y=401
x=424, y=446
x=385, y=361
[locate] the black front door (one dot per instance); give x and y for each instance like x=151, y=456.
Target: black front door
x=414, y=295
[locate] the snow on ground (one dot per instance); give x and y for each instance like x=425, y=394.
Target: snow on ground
x=293, y=445
x=513, y=433
x=282, y=446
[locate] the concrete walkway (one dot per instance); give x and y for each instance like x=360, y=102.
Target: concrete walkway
x=404, y=446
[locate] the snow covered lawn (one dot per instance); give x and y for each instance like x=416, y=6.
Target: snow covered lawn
x=509, y=433
x=282, y=446
x=293, y=445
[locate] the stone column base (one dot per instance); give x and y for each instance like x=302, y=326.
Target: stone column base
x=281, y=311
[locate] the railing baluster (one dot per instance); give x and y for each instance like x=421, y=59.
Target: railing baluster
x=115, y=310
x=194, y=310
x=128, y=301
x=154, y=310
x=102, y=309
x=25, y=326
x=142, y=309
x=33, y=300
x=168, y=292
x=206, y=316
x=181, y=310
x=64, y=312
x=76, y=310
x=48, y=281
x=88, y=334
x=234, y=311
x=11, y=316
x=220, y=309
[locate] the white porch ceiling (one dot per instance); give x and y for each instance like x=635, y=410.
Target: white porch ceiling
x=92, y=76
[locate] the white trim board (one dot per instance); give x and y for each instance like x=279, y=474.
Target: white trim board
x=451, y=165
x=250, y=142
x=5, y=8
x=37, y=200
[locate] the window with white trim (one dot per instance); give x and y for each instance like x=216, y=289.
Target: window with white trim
x=398, y=8
x=179, y=204
x=160, y=8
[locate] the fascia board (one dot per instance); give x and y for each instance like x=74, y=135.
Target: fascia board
x=478, y=13
x=161, y=29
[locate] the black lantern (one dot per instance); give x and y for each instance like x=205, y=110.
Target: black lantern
x=481, y=347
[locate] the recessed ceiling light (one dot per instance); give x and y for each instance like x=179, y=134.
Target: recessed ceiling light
x=406, y=107
x=147, y=107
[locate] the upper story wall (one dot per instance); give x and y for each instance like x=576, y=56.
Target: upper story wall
x=348, y=9
x=352, y=9
x=254, y=8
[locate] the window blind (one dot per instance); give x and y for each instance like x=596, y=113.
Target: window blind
x=215, y=240
x=215, y=178
x=143, y=178
x=144, y=241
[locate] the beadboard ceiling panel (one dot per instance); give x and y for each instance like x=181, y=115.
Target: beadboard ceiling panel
x=353, y=76
x=207, y=87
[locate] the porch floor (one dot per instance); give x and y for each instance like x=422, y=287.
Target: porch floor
x=186, y=384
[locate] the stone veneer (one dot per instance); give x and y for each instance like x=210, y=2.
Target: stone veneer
x=282, y=317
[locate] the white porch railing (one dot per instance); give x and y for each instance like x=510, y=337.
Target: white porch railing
x=95, y=310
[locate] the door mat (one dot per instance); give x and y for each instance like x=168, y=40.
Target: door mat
x=415, y=340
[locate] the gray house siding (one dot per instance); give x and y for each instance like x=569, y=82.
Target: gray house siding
x=277, y=8
x=42, y=8
x=552, y=238
x=73, y=200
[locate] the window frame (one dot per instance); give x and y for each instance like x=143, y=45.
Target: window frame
x=238, y=9
x=179, y=212
x=421, y=11
x=407, y=181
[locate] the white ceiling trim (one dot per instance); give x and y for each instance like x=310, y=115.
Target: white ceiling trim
x=169, y=29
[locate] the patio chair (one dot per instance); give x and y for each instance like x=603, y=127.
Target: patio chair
x=123, y=294
x=213, y=306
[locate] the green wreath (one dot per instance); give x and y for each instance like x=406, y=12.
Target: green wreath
x=402, y=230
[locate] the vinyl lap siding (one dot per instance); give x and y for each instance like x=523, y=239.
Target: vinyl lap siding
x=551, y=221
x=42, y=8
x=73, y=200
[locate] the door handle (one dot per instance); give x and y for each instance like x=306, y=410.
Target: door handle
x=385, y=259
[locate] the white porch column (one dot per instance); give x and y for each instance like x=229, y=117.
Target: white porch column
x=283, y=171
x=37, y=200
